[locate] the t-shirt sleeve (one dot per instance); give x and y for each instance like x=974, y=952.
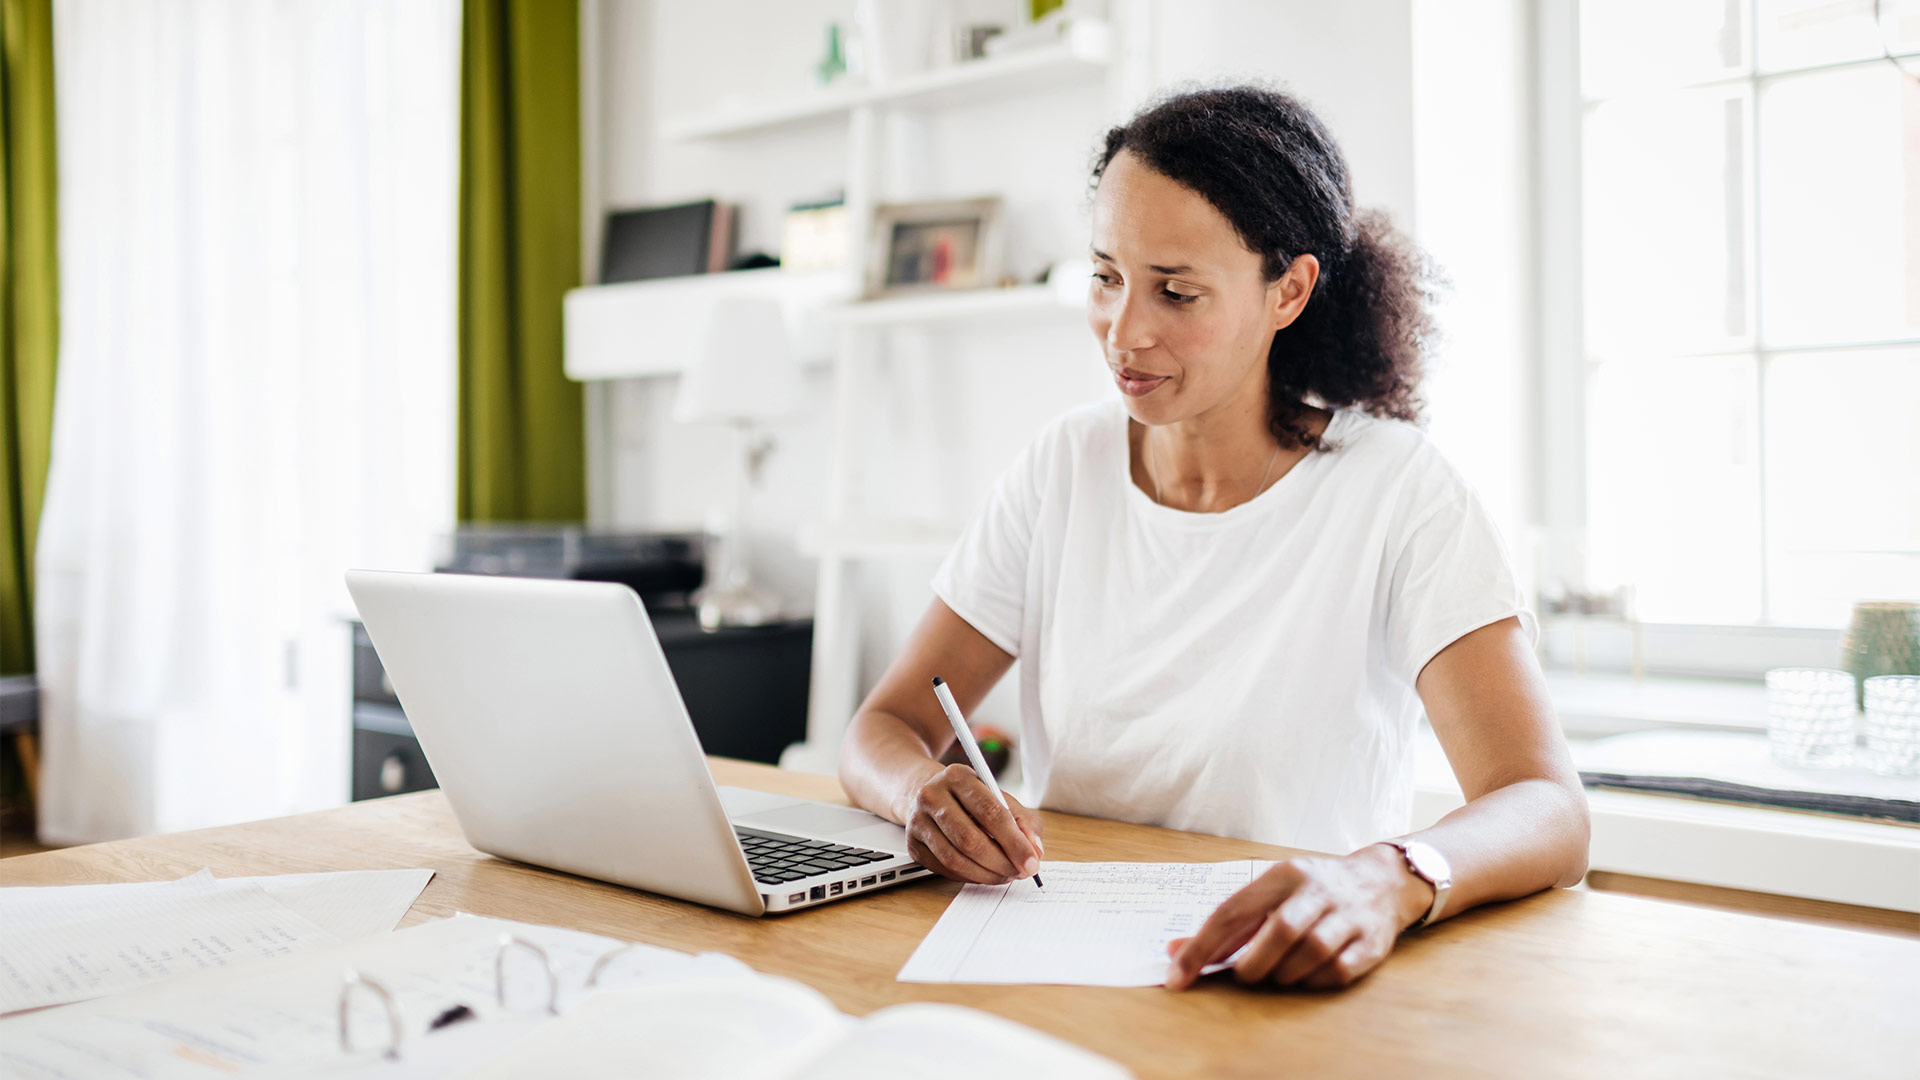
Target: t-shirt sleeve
x=1453, y=576
x=984, y=578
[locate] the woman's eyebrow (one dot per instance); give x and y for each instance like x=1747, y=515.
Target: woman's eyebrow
x=1104, y=257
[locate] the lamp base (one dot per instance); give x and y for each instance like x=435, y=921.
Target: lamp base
x=738, y=604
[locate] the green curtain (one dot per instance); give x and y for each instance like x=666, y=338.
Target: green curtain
x=29, y=309
x=522, y=453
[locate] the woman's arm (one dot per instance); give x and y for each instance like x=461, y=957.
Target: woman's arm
x=890, y=765
x=1325, y=921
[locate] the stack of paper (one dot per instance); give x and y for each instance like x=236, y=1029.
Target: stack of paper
x=73, y=942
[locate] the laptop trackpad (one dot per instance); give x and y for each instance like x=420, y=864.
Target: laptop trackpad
x=837, y=823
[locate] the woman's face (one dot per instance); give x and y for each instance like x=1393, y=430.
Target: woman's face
x=1178, y=302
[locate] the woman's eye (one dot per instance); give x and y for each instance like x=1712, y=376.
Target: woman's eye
x=1173, y=297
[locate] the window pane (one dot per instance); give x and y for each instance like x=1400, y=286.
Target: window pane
x=1673, y=486
x=1802, y=33
x=1633, y=45
x=1840, y=207
x=1843, y=482
x=1666, y=225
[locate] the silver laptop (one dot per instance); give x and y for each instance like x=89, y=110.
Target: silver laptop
x=554, y=727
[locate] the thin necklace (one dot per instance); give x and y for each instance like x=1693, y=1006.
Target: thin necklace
x=1153, y=474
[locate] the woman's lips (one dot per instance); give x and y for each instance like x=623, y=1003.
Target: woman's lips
x=1137, y=383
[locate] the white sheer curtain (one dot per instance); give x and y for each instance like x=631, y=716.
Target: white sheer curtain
x=256, y=390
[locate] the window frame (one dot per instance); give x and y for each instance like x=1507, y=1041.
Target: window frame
x=1734, y=650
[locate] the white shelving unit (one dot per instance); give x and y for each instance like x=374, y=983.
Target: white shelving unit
x=830, y=324
x=847, y=536
x=1083, y=54
x=644, y=328
x=875, y=540
x=648, y=328
x=1019, y=303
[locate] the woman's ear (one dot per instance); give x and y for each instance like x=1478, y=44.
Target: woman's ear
x=1288, y=296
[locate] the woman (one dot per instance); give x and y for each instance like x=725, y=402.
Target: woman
x=1236, y=587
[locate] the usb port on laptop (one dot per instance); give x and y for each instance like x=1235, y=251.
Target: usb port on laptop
x=888, y=876
x=868, y=880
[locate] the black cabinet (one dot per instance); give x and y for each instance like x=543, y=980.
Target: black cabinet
x=745, y=688
x=386, y=757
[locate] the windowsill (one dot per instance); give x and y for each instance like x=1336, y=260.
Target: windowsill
x=1731, y=845
x=1596, y=705
x=1714, y=730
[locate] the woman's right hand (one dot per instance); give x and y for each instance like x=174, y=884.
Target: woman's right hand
x=956, y=828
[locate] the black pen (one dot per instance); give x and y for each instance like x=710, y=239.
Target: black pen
x=965, y=734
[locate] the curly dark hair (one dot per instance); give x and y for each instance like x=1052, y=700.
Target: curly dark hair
x=1269, y=165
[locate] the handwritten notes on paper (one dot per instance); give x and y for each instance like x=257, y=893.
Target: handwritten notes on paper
x=124, y=945
x=1094, y=924
x=72, y=942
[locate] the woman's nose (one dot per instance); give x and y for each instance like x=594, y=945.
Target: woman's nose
x=1127, y=325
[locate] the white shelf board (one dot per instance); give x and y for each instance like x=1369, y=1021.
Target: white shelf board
x=1016, y=302
x=877, y=539
x=642, y=328
x=1081, y=56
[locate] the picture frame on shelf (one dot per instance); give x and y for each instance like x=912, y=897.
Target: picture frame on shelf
x=939, y=246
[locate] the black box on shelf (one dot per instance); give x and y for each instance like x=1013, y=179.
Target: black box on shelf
x=664, y=568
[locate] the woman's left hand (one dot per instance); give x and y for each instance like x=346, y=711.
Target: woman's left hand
x=1320, y=922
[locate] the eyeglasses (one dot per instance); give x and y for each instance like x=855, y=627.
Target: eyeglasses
x=519, y=987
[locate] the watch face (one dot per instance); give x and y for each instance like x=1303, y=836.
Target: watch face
x=1428, y=861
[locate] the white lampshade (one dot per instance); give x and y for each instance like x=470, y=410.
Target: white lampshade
x=744, y=370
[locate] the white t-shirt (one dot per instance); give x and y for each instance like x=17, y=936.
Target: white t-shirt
x=1248, y=673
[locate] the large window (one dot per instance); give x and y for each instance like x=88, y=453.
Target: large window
x=1750, y=267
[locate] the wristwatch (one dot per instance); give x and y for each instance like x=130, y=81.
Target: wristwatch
x=1427, y=864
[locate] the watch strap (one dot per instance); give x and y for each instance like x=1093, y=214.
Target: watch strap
x=1441, y=885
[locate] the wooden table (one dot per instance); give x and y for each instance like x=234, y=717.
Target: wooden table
x=1560, y=984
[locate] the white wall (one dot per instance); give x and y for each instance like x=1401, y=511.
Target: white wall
x=1354, y=62
x=1474, y=213
x=1349, y=60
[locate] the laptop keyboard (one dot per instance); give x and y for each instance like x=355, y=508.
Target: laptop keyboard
x=776, y=860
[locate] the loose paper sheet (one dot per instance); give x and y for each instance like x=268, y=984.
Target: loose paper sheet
x=67, y=943
x=1094, y=924
x=349, y=903
x=138, y=940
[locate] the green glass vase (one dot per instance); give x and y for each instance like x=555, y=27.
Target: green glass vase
x=1882, y=639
